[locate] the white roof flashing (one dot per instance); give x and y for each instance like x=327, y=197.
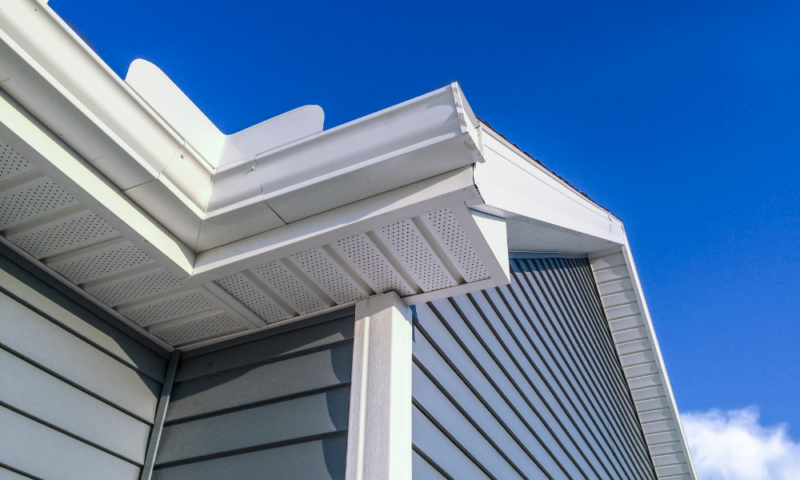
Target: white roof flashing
x=214, y=147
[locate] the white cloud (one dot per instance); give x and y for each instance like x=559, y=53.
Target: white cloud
x=733, y=445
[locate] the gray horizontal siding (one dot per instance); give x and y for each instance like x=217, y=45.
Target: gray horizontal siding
x=42, y=452
x=6, y=474
x=31, y=390
x=521, y=382
x=77, y=394
x=271, y=407
x=45, y=344
x=311, y=460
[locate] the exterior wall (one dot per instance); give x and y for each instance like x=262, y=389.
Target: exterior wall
x=277, y=402
x=78, y=390
x=522, y=381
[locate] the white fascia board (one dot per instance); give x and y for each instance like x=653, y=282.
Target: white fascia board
x=658, y=359
x=50, y=156
x=442, y=191
x=512, y=185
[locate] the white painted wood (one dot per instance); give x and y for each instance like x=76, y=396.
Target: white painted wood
x=379, y=431
x=161, y=93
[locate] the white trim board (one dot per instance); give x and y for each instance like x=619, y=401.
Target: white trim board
x=640, y=355
x=379, y=429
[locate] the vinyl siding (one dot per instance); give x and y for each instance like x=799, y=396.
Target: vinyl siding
x=522, y=381
x=78, y=390
x=636, y=343
x=271, y=406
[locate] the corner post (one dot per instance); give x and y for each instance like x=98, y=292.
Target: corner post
x=379, y=429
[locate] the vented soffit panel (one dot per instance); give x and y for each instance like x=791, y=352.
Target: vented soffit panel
x=421, y=241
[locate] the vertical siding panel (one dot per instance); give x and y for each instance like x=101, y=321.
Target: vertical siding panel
x=421, y=469
x=556, y=380
x=38, y=394
x=430, y=330
x=40, y=451
x=514, y=299
x=431, y=361
x=524, y=384
x=587, y=349
x=581, y=273
x=533, y=301
x=9, y=475
x=570, y=436
x=536, y=356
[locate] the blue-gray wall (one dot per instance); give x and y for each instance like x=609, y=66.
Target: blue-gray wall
x=78, y=390
x=274, y=405
x=523, y=382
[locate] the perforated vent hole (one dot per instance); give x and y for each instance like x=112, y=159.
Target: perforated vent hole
x=199, y=330
x=106, y=262
x=12, y=163
x=238, y=286
x=319, y=266
x=406, y=241
x=359, y=252
x=74, y=232
x=168, y=309
x=449, y=232
x=32, y=200
x=133, y=288
x=288, y=287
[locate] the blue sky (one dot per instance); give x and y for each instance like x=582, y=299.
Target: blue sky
x=682, y=118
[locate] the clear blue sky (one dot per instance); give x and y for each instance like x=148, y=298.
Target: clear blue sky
x=682, y=118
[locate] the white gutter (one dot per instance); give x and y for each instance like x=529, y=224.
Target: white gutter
x=207, y=188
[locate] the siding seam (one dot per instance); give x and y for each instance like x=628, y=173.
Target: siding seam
x=78, y=335
x=73, y=384
x=68, y=433
x=242, y=451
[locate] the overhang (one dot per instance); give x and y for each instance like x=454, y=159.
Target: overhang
x=126, y=192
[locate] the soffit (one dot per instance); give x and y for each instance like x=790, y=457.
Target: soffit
x=437, y=249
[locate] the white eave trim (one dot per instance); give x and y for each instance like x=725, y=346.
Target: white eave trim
x=514, y=187
x=630, y=322
x=154, y=148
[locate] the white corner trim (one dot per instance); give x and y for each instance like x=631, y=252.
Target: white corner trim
x=379, y=430
x=613, y=268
